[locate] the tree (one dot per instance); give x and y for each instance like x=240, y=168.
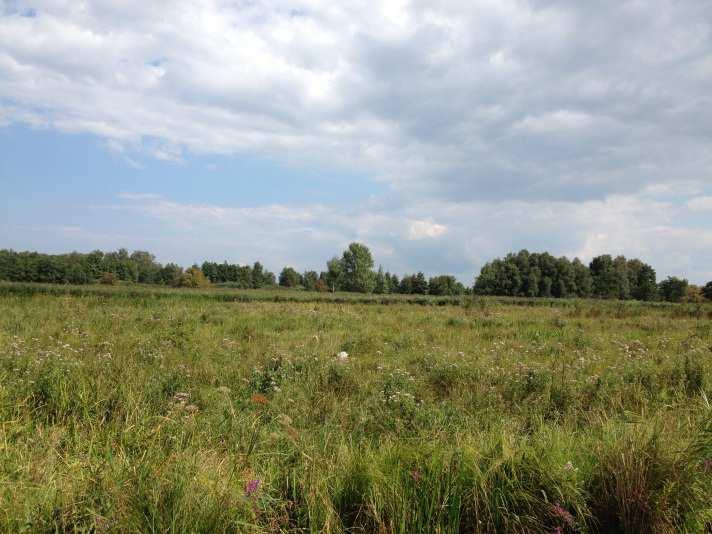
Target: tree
x=406, y=284
x=693, y=294
x=193, y=277
x=643, y=283
x=310, y=278
x=333, y=277
x=420, y=284
x=357, y=269
x=289, y=277
x=320, y=286
x=108, y=279
x=707, y=291
x=260, y=277
x=210, y=269
x=170, y=274
x=508, y=280
x=382, y=282
x=394, y=283
x=620, y=265
x=146, y=266
x=603, y=273
x=673, y=289
x=583, y=279
x=445, y=285
x=485, y=283
x=565, y=281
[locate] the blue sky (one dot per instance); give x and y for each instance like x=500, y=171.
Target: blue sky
x=440, y=135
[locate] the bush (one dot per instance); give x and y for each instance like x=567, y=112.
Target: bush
x=108, y=279
x=193, y=277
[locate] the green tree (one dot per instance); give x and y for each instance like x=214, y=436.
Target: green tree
x=334, y=275
x=146, y=266
x=582, y=276
x=405, y=286
x=357, y=268
x=382, y=282
x=603, y=273
x=445, y=285
x=289, y=277
x=310, y=278
x=643, y=285
x=622, y=278
x=673, y=289
x=420, y=284
x=170, y=274
x=707, y=291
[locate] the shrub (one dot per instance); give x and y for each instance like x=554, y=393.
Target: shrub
x=108, y=279
x=193, y=277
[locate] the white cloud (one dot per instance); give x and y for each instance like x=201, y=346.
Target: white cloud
x=561, y=126
x=425, y=229
x=466, y=235
x=517, y=98
x=700, y=204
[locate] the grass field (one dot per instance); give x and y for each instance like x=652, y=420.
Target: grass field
x=135, y=410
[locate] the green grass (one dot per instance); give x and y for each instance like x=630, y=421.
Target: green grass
x=150, y=410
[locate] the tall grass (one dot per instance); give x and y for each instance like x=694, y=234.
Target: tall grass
x=185, y=413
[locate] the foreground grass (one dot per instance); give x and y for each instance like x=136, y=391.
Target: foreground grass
x=138, y=413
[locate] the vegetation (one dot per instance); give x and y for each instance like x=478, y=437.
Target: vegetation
x=523, y=274
x=125, y=412
x=528, y=274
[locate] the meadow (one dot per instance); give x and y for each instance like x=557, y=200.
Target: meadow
x=132, y=410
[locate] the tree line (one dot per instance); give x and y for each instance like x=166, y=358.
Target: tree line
x=521, y=274
x=353, y=271
x=531, y=274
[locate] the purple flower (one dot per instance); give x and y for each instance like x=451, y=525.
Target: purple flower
x=252, y=486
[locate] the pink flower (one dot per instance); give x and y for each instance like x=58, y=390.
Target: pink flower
x=251, y=487
x=562, y=513
x=416, y=476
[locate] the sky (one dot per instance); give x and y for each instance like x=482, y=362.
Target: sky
x=440, y=134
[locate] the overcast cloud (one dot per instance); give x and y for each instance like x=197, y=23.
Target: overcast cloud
x=577, y=127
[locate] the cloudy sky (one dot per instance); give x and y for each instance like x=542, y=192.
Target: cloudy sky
x=441, y=134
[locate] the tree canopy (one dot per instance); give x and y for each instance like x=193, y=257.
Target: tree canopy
x=521, y=274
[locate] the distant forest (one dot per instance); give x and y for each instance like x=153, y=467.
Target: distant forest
x=521, y=274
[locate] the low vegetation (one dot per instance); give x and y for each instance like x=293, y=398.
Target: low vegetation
x=137, y=409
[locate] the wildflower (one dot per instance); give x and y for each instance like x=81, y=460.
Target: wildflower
x=562, y=513
x=569, y=466
x=252, y=486
x=343, y=355
x=258, y=398
x=181, y=396
x=416, y=476
x=284, y=419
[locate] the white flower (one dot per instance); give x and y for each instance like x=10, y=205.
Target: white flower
x=569, y=466
x=343, y=355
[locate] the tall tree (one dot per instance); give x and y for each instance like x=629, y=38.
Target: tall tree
x=357, y=266
x=707, y=291
x=289, y=277
x=673, y=289
x=382, y=282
